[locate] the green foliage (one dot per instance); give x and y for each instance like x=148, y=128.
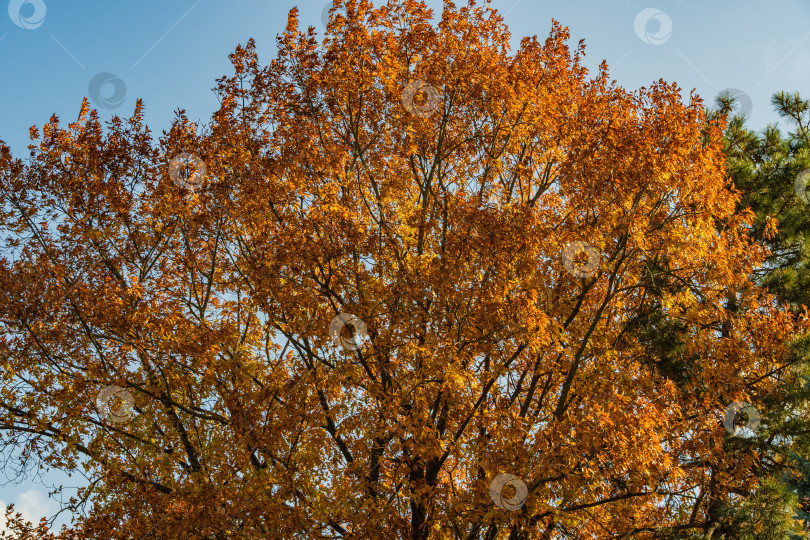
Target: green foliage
x=764, y=167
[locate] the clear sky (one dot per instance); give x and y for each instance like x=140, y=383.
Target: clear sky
x=169, y=52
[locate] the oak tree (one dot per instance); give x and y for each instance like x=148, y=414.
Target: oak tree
x=390, y=290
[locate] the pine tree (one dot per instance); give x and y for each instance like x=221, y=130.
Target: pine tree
x=770, y=170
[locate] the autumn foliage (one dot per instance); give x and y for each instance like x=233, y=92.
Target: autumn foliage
x=500, y=236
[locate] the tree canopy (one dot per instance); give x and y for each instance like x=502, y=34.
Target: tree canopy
x=406, y=284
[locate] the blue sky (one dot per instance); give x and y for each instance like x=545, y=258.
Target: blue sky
x=170, y=52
